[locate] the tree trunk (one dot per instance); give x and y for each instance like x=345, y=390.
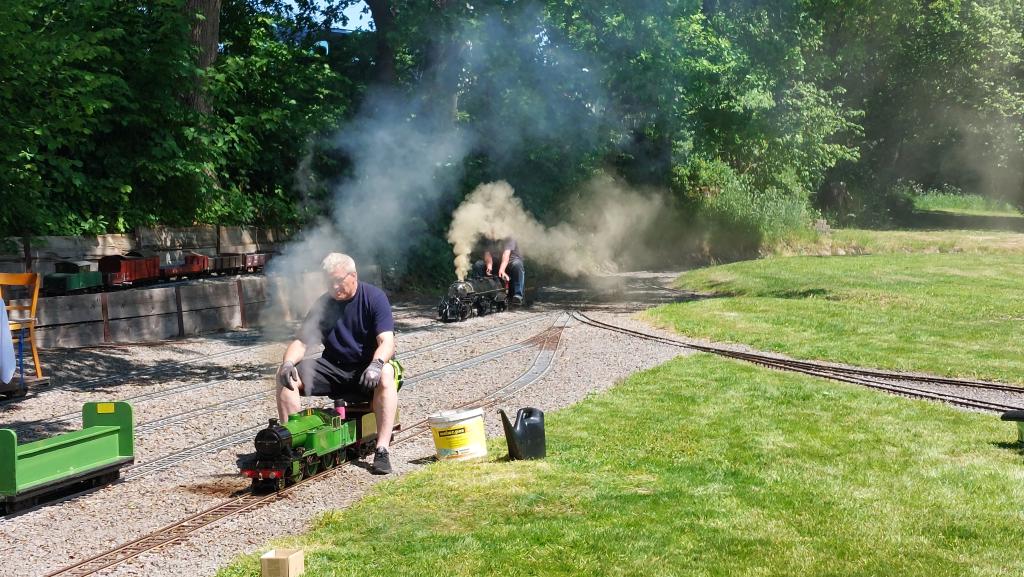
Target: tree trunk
x=443, y=64
x=205, y=18
x=383, y=13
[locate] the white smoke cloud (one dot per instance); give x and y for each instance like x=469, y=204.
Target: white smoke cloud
x=294, y=277
x=403, y=165
x=605, y=219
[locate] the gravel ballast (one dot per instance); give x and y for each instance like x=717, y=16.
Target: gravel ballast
x=586, y=360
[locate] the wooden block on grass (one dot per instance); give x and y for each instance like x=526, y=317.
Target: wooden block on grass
x=283, y=563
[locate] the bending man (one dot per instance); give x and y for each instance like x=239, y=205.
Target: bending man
x=510, y=268
x=353, y=321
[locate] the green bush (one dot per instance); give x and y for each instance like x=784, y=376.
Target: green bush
x=741, y=219
x=951, y=198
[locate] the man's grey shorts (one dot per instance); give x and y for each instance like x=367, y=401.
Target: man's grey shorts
x=331, y=380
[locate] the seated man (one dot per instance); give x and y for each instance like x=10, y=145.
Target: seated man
x=511, y=262
x=353, y=321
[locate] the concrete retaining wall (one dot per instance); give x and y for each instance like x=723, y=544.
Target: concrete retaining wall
x=162, y=312
x=155, y=313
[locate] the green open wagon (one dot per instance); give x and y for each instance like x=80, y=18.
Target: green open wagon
x=82, y=459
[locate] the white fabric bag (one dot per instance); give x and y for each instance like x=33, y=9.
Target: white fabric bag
x=7, y=361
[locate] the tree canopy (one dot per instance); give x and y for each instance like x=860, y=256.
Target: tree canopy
x=754, y=115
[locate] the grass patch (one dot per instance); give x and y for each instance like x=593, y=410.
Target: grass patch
x=949, y=314
x=704, y=466
x=970, y=204
x=861, y=241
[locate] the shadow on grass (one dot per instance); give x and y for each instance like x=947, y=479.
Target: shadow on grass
x=802, y=294
x=928, y=219
x=1014, y=446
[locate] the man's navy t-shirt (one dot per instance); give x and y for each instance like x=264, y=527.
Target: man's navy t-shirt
x=348, y=329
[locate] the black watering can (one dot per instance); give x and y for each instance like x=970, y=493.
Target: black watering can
x=526, y=437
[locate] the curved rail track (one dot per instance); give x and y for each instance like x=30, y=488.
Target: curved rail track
x=241, y=436
x=172, y=368
x=876, y=379
x=547, y=344
x=235, y=438
x=25, y=430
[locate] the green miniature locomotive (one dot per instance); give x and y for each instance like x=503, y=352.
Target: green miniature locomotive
x=312, y=440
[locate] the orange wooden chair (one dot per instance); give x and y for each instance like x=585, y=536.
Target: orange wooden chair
x=22, y=318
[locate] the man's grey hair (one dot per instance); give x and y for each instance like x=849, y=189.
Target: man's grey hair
x=336, y=260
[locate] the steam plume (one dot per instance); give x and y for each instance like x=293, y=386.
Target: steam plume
x=606, y=217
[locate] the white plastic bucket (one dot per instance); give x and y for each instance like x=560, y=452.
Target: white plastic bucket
x=459, y=434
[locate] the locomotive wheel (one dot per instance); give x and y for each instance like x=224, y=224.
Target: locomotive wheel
x=330, y=461
x=269, y=485
x=311, y=466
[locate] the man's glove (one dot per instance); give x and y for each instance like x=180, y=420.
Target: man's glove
x=371, y=376
x=286, y=374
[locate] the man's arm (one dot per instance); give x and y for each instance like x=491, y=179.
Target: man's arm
x=505, y=255
x=385, y=346
x=488, y=262
x=295, y=352
x=287, y=375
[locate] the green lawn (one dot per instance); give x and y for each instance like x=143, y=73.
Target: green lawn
x=949, y=314
x=861, y=241
x=708, y=467
x=970, y=204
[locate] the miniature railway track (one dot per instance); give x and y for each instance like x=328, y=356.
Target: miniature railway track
x=881, y=380
x=169, y=368
x=244, y=399
x=237, y=437
x=25, y=429
x=28, y=427
x=547, y=344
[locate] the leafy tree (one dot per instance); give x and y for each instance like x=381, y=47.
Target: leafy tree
x=92, y=115
x=940, y=84
x=104, y=127
x=272, y=103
